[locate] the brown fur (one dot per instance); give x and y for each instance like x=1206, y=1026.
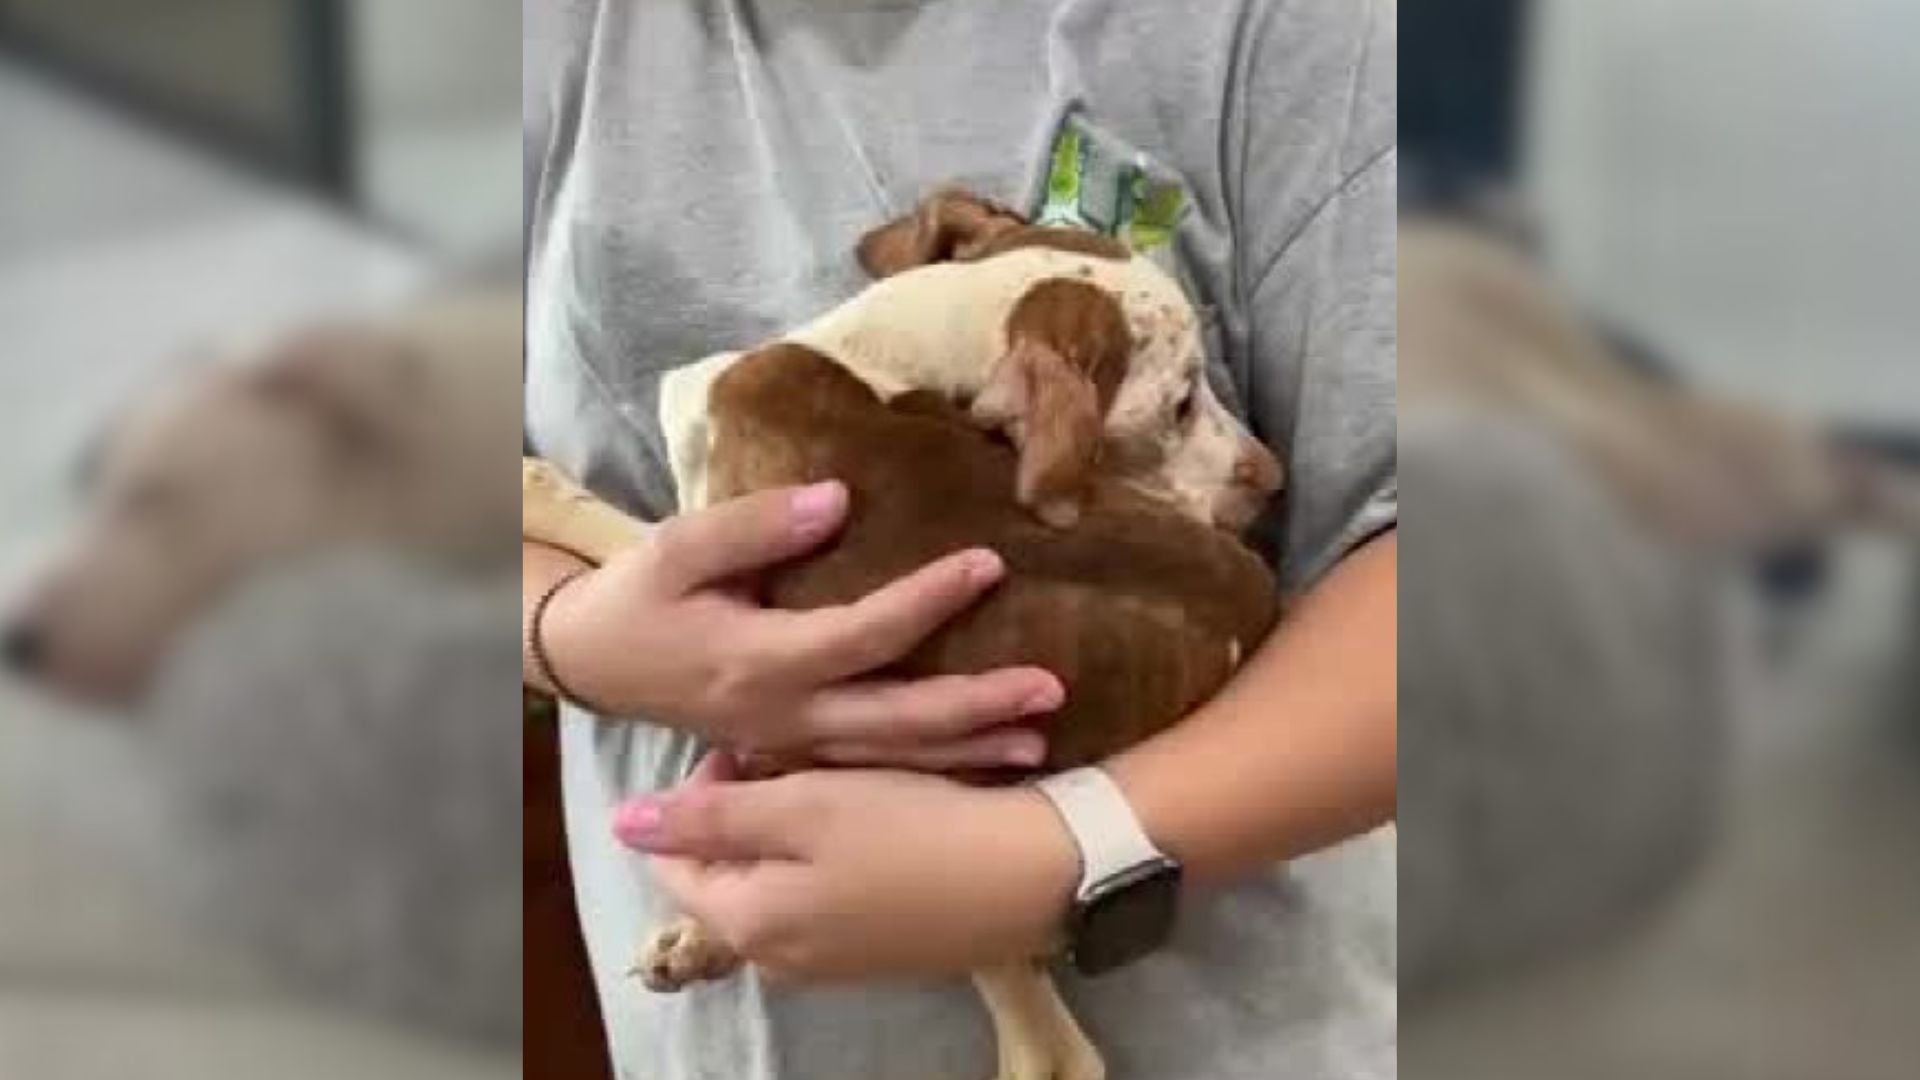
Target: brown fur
x=1068, y=331
x=1067, y=352
x=1077, y=241
x=1141, y=612
x=958, y=226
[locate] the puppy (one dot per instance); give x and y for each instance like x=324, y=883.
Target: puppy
x=1069, y=344
x=1140, y=611
x=386, y=431
x=1045, y=397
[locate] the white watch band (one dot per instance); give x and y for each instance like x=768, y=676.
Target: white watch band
x=1102, y=823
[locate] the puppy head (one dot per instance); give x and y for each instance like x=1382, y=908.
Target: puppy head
x=215, y=473
x=950, y=225
x=1087, y=382
x=1169, y=435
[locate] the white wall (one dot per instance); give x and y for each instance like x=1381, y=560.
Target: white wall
x=421, y=58
x=1741, y=178
x=438, y=103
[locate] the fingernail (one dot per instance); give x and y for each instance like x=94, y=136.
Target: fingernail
x=637, y=822
x=816, y=507
x=1045, y=699
x=983, y=567
x=1027, y=752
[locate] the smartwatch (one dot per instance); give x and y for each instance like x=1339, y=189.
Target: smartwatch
x=1129, y=891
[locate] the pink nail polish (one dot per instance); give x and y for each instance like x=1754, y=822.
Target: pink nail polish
x=983, y=567
x=1027, y=752
x=637, y=822
x=1045, y=699
x=815, y=507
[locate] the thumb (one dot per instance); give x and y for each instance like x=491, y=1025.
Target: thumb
x=745, y=534
x=713, y=821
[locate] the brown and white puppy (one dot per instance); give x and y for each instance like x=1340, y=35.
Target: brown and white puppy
x=1076, y=348
x=1141, y=611
x=1130, y=585
x=383, y=431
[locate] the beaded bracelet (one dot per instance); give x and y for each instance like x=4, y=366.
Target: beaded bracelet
x=537, y=646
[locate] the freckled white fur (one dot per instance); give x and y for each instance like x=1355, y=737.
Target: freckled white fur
x=943, y=328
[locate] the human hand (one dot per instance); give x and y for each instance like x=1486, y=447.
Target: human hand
x=669, y=630
x=811, y=876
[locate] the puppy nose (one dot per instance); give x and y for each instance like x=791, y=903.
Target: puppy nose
x=1258, y=470
x=22, y=646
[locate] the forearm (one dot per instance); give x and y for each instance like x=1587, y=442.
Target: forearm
x=540, y=567
x=1298, y=751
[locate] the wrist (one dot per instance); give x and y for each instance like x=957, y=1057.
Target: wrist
x=560, y=643
x=1048, y=863
x=1127, y=892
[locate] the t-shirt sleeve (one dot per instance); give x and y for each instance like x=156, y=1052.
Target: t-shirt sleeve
x=1317, y=254
x=1324, y=314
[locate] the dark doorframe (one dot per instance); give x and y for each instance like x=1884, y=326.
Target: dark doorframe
x=316, y=151
x=1461, y=69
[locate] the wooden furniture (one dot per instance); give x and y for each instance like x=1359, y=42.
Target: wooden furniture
x=564, y=1039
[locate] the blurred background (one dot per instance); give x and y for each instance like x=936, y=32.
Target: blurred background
x=301, y=855
x=1659, y=800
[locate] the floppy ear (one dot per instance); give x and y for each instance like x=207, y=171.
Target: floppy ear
x=946, y=226
x=1068, y=351
x=1052, y=412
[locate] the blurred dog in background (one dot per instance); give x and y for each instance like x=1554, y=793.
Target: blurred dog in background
x=294, y=562
x=1480, y=323
x=384, y=431
x=1582, y=513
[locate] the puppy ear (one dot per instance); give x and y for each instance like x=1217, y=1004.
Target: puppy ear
x=1068, y=353
x=1052, y=412
x=946, y=226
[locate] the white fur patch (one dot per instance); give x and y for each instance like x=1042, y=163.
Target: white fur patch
x=683, y=423
x=942, y=328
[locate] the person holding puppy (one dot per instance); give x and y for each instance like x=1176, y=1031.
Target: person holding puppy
x=696, y=174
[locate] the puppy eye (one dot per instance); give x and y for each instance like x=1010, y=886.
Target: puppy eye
x=1183, y=410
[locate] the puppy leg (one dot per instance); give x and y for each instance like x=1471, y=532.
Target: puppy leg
x=683, y=953
x=1038, y=1038
x=554, y=510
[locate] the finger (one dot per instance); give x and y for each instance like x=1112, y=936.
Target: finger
x=719, y=896
x=747, y=906
x=687, y=882
x=714, y=767
x=831, y=644
x=745, y=534
x=1013, y=747
x=717, y=821
x=942, y=708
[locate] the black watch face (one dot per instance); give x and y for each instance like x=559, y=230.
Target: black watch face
x=1127, y=917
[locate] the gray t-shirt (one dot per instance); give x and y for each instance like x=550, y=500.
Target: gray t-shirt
x=698, y=171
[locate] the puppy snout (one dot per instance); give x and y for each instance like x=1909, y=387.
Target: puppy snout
x=1257, y=470
x=1255, y=479
x=23, y=646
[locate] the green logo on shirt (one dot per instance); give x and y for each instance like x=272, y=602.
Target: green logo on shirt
x=1089, y=188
